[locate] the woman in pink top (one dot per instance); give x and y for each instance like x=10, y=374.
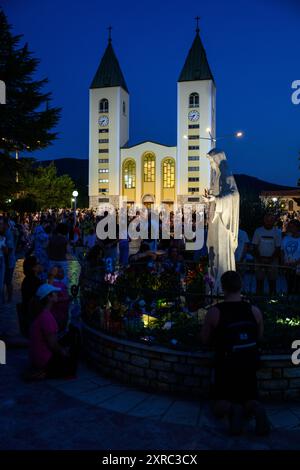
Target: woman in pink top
x=47, y=355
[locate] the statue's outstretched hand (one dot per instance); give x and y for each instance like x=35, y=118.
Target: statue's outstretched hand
x=209, y=198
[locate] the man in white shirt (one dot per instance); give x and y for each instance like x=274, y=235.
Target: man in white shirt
x=267, y=243
x=290, y=248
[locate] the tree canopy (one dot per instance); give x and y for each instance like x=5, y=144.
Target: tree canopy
x=47, y=189
x=27, y=119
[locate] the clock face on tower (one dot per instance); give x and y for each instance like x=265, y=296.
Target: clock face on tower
x=103, y=121
x=194, y=115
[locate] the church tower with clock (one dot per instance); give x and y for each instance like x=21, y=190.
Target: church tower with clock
x=196, y=123
x=151, y=173
x=109, y=129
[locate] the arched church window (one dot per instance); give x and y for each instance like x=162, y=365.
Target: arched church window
x=103, y=106
x=194, y=100
x=124, y=108
x=168, y=173
x=129, y=174
x=149, y=168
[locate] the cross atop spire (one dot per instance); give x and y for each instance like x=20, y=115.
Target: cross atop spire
x=109, y=73
x=196, y=66
x=109, y=33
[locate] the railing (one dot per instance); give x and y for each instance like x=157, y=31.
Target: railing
x=247, y=270
x=285, y=276
x=175, y=314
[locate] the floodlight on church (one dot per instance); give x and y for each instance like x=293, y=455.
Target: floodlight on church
x=239, y=134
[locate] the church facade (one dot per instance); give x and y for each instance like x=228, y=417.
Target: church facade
x=151, y=173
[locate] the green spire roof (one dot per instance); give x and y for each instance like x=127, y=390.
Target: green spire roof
x=109, y=72
x=196, y=65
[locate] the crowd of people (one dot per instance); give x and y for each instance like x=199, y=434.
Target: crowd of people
x=44, y=242
x=8, y=237
x=273, y=254
x=46, y=239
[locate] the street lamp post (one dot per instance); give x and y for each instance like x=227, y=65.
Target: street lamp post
x=75, y=195
x=213, y=140
x=17, y=173
x=237, y=134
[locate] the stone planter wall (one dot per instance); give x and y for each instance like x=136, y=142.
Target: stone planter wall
x=278, y=377
x=161, y=369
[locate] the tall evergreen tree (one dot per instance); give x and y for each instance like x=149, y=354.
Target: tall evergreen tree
x=26, y=120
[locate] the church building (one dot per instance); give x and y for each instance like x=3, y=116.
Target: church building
x=150, y=172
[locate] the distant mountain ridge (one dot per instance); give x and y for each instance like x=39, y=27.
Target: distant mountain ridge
x=252, y=184
x=77, y=169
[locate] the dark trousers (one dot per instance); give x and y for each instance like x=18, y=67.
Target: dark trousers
x=293, y=282
x=60, y=366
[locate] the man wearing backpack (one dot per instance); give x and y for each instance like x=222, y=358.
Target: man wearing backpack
x=235, y=327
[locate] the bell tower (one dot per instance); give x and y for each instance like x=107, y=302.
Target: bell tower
x=196, y=123
x=108, y=128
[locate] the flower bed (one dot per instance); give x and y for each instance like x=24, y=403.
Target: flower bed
x=156, y=304
x=142, y=325
x=282, y=322
x=151, y=302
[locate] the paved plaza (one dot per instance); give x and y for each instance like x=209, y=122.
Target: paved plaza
x=94, y=412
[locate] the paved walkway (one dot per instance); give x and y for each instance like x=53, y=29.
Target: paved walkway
x=108, y=394
x=93, y=412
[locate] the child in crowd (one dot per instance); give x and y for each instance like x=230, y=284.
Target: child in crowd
x=50, y=357
x=61, y=307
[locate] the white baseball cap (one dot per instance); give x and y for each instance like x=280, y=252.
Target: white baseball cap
x=46, y=289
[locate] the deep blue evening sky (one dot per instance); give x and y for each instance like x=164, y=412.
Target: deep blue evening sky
x=252, y=47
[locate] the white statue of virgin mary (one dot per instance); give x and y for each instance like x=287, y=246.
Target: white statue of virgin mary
x=223, y=221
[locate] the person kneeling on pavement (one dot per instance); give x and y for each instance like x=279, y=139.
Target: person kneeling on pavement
x=235, y=327
x=50, y=356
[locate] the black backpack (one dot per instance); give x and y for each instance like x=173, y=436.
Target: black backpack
x=239, y=344
x=240, y=336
